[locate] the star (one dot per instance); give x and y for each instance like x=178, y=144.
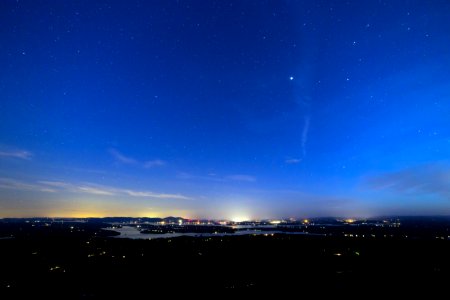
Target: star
x=291, y=78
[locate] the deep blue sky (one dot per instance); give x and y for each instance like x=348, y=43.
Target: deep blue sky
x=224, y=109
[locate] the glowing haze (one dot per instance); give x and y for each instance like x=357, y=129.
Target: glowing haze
x=224, y=109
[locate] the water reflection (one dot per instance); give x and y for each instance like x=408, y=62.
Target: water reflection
x=131, y=232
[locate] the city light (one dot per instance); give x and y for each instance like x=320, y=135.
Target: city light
x=239, y=218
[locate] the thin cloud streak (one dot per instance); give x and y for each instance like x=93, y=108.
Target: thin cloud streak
x=425, y=179
x=153, y=195
x=127, y=160
x=21, y=154
x=59, y=184
x=215, y=178
x=154, y=163
x=84, y=188
x=122, y=158
x=8, y=183
x=305, y=135
x=95, y=191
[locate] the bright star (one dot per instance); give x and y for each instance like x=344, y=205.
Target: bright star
x=291, y=78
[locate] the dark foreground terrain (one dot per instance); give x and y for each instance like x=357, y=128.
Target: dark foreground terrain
x=80, y=260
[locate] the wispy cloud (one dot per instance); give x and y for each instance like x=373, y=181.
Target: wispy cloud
x=9, y=183
x=127, y=160
x=241, y=177
x=59, y=184
x=122, y=158
x=293, y=161
x=101, y=190
x=216, y=178
x=84, y=188
x=425, y=179
x=305, y=135
x=154, y=195
x=21, y=154
x=88, y=188
x=95, y=191
x=48, y=190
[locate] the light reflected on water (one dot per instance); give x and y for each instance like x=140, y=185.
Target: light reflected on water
x=134, y=233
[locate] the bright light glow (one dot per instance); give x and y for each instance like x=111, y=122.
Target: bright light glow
x=306, y=221
x=275, y=222
x=239, y=218
x=350, y=220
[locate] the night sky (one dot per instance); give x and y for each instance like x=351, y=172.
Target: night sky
x=224, y=109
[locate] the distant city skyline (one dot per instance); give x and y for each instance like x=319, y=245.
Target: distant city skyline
x=224, y=109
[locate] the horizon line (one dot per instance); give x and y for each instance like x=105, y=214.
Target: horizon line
x=227, y=219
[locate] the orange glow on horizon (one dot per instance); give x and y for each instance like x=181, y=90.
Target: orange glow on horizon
x=95, y=213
